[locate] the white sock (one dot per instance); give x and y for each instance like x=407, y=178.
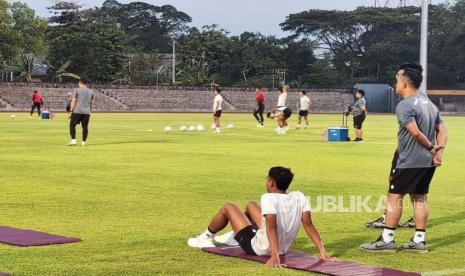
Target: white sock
x=419, y=236
x=388, y=235
x=384, y=217
x=207, y=234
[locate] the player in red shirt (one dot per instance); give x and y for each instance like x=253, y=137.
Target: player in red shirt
x=258, y=112
x=37, y=102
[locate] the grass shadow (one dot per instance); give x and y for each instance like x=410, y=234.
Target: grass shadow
x=453, y=218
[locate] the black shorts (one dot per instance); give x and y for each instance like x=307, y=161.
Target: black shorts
x=411, y=181
x=358, y=121
x=287, y=113
x=217, y=114
x=303, y=113
x=77, y=119
x=261, y=108
x=244, y=238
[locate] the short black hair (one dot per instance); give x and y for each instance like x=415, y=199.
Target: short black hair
x=361, y=91
x=84, y=81
x=217, y=89
x=414, y=72
x=303, y=92
x=282, y=176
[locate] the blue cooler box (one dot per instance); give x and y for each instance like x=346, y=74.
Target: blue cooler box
x=45, y=115
x=338, y=134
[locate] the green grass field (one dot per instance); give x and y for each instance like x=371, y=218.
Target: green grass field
x=134, y=196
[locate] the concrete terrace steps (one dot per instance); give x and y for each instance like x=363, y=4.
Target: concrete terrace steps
x=164, y=99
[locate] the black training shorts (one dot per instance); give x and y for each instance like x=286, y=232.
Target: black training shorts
x=287, y=113
x=358, y=121
x=303, y=113
x=261, y=108
x=244, y=238
x=411, y=181
x=217, y=114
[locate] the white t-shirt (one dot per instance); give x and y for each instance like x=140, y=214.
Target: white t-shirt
x=282, y=99
x=304, y=101
x=218, y=103
x=288, y=209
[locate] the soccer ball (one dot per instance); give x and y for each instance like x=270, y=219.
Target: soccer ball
x=183, y=128
x=168, y=129
x=200, y=128
x=230, y=126
x=213, y=126
x=192, y=128
x=13, y=116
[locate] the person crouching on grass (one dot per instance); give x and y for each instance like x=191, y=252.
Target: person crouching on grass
x=267, y=229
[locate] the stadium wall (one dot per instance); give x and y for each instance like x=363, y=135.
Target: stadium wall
x=117, y=98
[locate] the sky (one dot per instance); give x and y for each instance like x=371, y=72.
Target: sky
x=236, y=16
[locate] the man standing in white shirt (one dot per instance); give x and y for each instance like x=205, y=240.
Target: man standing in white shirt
x=268, y=230
x=217, y=109
x=305, y=105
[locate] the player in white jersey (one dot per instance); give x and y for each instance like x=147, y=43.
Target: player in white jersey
x=282, y=111
x=305, y=104
x=217, y=108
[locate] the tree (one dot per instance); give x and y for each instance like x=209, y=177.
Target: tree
x=22, y=66
x=94, y=44
x=363, y=40
x=21, y=31
x=149, y=28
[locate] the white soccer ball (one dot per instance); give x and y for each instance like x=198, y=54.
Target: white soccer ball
x=168, y=129
x=230, y=126
x=192, y=128
x=183, y=128
x=13, y=116
x=200, y=128
x=213, y=126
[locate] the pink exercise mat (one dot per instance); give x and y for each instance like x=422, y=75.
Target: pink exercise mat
x=24, y=237
x=310, y=263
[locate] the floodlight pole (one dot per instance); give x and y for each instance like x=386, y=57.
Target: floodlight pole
x=424, y=45
x=174, y=62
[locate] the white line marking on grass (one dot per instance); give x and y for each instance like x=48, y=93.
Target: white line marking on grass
x=444, y=272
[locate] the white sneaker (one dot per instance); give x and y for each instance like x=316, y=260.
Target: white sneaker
x=217, y=130
x=297, y=127
x=260, y=125
x=286, y=128
x=83, y=143
x=306, y=127
x=281, y=131
x=227, y=239
x=72, y=143
x=200, y=242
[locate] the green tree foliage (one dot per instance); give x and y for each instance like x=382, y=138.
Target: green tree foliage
x=365, y=43
x=148, y=27
x=22, y=66
x=211, y=54
x=93, y=44
x=21, y=31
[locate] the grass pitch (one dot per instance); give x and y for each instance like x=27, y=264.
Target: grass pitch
x=134, y=196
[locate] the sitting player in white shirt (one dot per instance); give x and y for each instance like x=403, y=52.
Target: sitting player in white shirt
x=268, y=230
